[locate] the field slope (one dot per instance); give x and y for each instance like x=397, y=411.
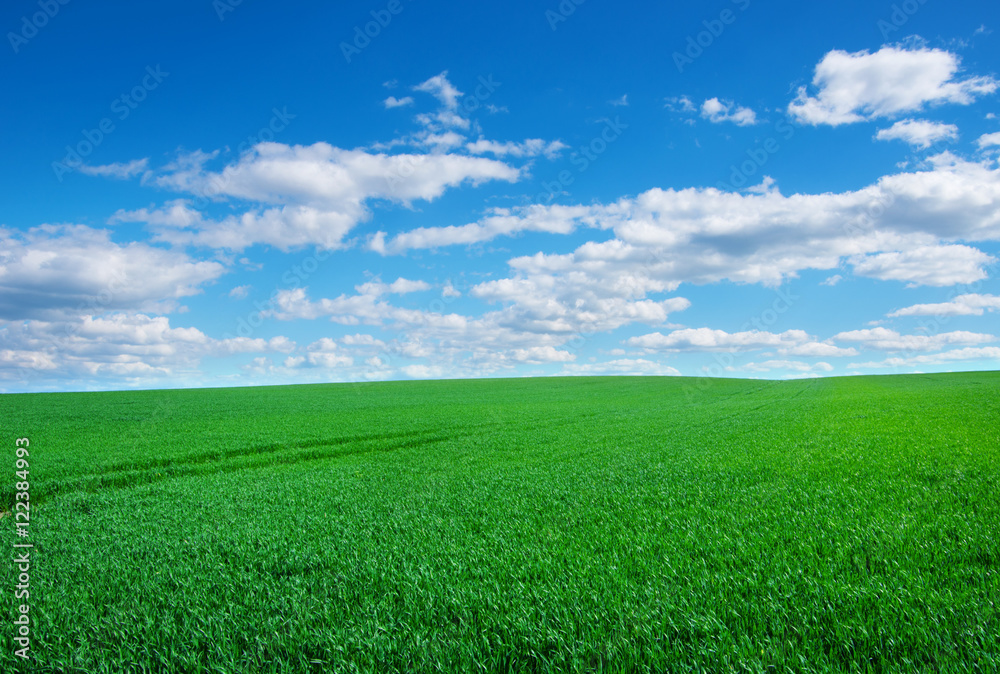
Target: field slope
x=578, y=524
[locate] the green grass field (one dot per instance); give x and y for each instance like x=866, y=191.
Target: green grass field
x=570, y=524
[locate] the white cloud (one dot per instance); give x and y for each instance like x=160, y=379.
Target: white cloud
x=541, y=354
x=422, y=371
x=393, y=102
x=708, y=339
x=987, y=353
x=901, y=227
x=310, y=194
x=680, y=104
x=790, y=365
x=883, y=339
x=326, y=353
x=832, y=280
x=926, y=265
x=400, y=286
x=119, y=345
x=717, y=111
x=59, y=271
x=501, y=222
x=894, y=80
x=121, y=171
x=919, y=133
x=239, y=292
x=620, y=102
x=439, y=87
x=621, y=366
x=531, y=147
x=962, y=305
x=817, y=350
x=988, y=140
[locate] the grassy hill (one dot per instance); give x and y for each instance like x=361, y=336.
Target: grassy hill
x=567, y=524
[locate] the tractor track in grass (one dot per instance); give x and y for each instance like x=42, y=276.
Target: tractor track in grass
x=128, y=475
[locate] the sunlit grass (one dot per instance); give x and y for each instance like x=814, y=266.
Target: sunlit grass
x=586, y=524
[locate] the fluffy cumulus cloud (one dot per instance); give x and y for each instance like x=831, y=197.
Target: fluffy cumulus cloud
x=883, y=339
x=55, y=272
x=987, y=354
x=117, y=345
x=531, y=147
x=308, y=194
x=796, y=366
x=919, y=133
x=895, y=80
x=707, y=339
x=904, y=227
x=393, y=102
x=717, y=111
x=970, y=304
x=121, y=171
x=290, y=196
x=622, y=366
x=926, y=265
x=532, y=321
x=988, y=140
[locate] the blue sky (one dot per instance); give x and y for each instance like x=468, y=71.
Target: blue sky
x=237, y=193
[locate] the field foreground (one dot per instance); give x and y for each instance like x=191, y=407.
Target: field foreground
x=581, y=524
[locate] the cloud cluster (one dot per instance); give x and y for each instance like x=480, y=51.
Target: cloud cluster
x=919, y=133
x=717, y=111
x=852, y=87
x=118, y=345
x=55, y=272
x=901, y=228
x=970, y=304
